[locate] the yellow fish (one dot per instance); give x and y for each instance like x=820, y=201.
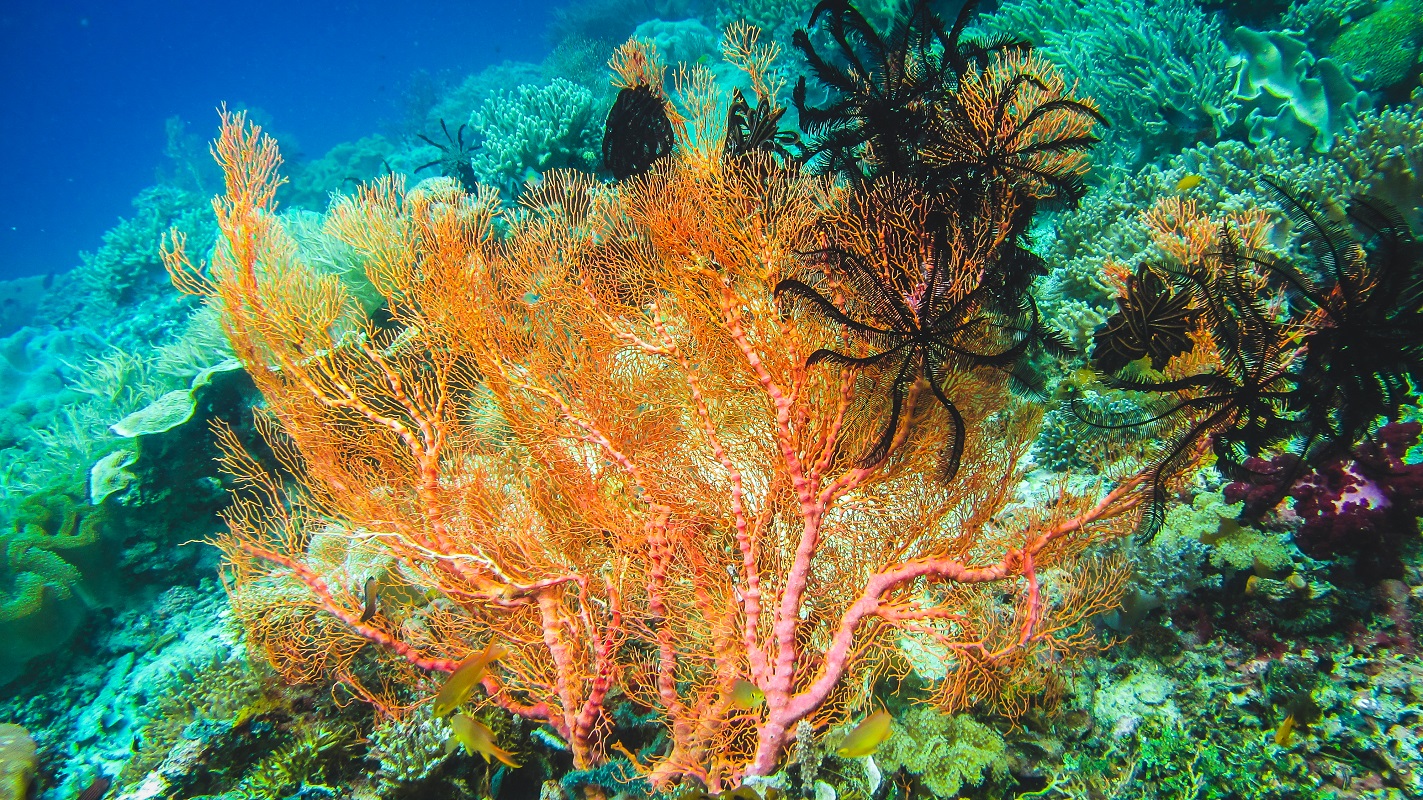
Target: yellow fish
x=746, y=695
x=372, y=593
x=866, y=737
x=476, y=737
x=1188, y=182
x=462, y=681
x=1282, y=734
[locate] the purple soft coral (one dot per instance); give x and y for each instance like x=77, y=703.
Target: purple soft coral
x=1363, y=504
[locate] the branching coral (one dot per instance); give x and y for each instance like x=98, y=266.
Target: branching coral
x=597, y=442
x=1159, y=68
x=533, y=129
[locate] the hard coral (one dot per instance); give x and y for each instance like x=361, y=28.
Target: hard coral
x=1384, y=45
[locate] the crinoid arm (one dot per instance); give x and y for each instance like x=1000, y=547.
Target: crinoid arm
x=798, y=290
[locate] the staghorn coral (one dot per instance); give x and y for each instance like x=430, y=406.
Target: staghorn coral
x=532, y=129
x=664, y=461
x=411, y=748
x=1158, y=68
x=1382, y=156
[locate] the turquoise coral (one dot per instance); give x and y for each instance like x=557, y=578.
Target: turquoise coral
x=1291, y=94
x=1383, y=47
x=532, y=129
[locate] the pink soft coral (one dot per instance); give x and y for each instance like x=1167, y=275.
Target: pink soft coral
x=1365, y=503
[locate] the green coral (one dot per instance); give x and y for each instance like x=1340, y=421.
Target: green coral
x=31, y=567
x=1290, y=94
x=947, y=752
x=1383, y=47
x=306, y=760
x=1247, y=548
x=1222, y=763
x=411, y=748
x=532, y=129
x=1134, y=58
x=1202, y=519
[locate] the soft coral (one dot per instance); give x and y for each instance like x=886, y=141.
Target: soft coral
x=1364, y=503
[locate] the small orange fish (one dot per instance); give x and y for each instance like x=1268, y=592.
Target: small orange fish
x=1282, y=733
x=462, y=681
x=476, y=737
x=1188, y=182
x=866, y=737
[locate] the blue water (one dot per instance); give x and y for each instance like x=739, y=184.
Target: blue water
x=85, y=88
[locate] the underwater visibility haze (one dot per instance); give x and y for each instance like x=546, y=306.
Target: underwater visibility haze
x=875, y=399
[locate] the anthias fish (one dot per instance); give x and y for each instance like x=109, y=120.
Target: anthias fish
x=476, y=737
x=866, y=737
x=462, y=681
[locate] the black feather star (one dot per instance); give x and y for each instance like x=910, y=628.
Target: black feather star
x=637, y=132
x=749, y=130
x=454, y=161
x=882, y=88
x=923, y=325
x=1364, y=346
x=1150, y=321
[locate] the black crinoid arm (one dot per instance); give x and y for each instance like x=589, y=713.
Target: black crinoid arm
x=882, y=87
x=637, y=133
x=455, y=154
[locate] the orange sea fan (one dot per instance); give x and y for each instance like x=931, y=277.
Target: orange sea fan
x=1016, y=123
x=596, y=440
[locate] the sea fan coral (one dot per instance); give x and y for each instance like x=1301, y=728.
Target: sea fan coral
x=597, y=442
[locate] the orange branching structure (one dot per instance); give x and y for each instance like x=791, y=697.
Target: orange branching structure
x=595, y=439
x=1018, y=123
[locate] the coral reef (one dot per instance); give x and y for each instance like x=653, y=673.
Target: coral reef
x=1159, y=68
x=126, y=272
x=1383, y=47
x=775, y=433
x=544, y=676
